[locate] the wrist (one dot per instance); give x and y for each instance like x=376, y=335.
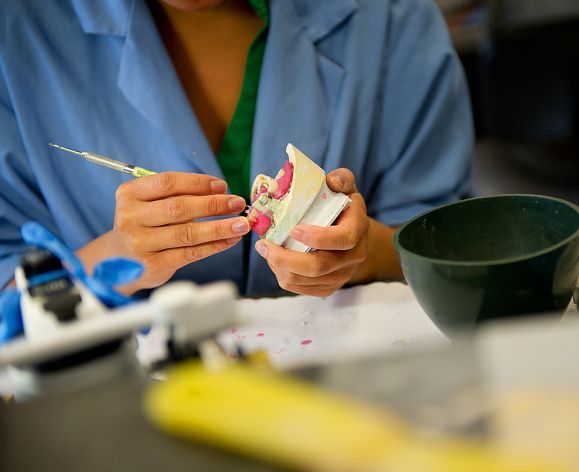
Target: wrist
x=94, y=252
x=100, y=249
x=382, y=262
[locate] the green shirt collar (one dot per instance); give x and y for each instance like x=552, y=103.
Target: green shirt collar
x=261, y=8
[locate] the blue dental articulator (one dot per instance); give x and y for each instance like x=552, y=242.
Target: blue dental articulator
x=59, y=318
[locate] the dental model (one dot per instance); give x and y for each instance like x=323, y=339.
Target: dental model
x=298, y=194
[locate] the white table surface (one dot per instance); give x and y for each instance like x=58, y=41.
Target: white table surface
x=304, y=330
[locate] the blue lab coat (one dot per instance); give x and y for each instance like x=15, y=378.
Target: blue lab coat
x=371, y=85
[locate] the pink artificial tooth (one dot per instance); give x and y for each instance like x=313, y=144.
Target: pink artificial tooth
x=260, y=191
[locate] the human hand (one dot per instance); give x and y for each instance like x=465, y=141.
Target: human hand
x=155, y=224
x=341, y=249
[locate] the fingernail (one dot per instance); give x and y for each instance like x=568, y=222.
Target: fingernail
x=261, y=247
x=218, y=186
x=298, y=233
x=236, y=204
x=241, y=226
x=338, y=181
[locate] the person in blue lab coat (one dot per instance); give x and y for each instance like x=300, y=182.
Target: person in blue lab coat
x=208, y=93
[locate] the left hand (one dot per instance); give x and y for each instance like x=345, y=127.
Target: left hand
x=340, y=249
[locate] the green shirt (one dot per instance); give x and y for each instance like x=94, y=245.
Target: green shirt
x=234, y=153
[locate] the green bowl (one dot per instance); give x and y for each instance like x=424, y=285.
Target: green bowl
x=491, y=257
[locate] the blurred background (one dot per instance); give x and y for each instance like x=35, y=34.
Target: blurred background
x=521, y=59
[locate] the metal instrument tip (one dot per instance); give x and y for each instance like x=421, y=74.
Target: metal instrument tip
x=62, y=148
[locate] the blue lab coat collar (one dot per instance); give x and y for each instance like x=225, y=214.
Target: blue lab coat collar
x=111, y=18
x=298, y=86
x=319, y=17
x=297, y=82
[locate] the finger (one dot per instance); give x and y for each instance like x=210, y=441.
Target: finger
x=169, y=184
x=191, y=234
x=180, y=257
x=182, y=209
x=337, y=278
x=341, y=180
x=311, y=264
x=346, y=234
x=312, y=290
x=357, y=204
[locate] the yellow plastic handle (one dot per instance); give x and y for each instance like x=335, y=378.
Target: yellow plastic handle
x=140, y=172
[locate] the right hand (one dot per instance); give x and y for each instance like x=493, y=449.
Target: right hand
x=155, y=224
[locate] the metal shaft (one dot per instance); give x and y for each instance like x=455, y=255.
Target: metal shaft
x=57, y=146
x=98, y=159
x=108, y=162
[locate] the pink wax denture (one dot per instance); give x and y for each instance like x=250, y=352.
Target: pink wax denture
x=298, y=194
x=260, y=222
x=284, y=181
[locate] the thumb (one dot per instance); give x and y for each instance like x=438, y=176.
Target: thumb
x=262, y=247
x=342, y=180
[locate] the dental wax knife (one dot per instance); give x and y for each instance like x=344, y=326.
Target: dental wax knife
x=107, y=162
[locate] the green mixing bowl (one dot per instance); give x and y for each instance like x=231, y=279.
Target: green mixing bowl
x=491, y=257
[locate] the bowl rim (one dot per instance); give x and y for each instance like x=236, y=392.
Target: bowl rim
x=491, y=262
